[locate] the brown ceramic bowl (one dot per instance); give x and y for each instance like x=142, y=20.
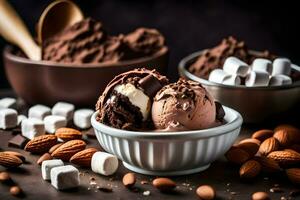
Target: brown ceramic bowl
x=81, y=84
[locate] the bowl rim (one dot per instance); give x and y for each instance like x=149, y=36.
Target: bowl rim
x=234, y=124
x=7, y=54
x=182, y=69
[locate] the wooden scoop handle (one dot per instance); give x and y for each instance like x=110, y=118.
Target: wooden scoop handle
x=14, y=30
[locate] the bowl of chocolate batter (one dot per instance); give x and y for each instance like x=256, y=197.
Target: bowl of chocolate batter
x=78, y=62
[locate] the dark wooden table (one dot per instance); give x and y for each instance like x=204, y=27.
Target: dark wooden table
x=221, y=175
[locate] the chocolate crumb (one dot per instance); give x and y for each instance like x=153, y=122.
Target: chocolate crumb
x=276, y=190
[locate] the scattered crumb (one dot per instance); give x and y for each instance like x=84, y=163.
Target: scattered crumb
x=144, y=182
x=146, y=193
x=233, y=193
x=276, y=190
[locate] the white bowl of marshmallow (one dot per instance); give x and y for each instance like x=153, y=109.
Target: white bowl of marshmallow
x=258, y=90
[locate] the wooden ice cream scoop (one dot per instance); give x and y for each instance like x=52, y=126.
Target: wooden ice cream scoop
x=13, y=29
x=57, y=16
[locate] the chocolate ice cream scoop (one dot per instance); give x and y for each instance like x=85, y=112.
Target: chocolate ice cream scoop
x=126, y=101
x=184, y=105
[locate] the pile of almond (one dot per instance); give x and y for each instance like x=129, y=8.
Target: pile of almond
x=72, y=149
x=269, y=151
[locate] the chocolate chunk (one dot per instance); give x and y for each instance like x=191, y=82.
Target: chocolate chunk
x=220, y=113
x=150, y=84
x=91, y=134
x=18, y=141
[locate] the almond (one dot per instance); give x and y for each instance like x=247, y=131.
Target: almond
x=41, y=144
x=67, y=134
x=129, y=180
x=45, y=156
x=237, y=156
x=283, y=137
x=268, y=165
x=4, y=177
x=294, y=175
x=260, y=196
x=263, y=134
x=8, y=160
x=285, y=126
x=269, y=145
x=83, y=158
x=19, y=155
x=285, y=157
x=250, y=145
x=164, y=184
x=293, y=132
x=68, y=149
x=206, y=192
x=250, y=169
x=52, y=149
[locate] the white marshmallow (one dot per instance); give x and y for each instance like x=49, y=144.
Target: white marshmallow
x=136, y=96
x=104, y=163
x=281, y=66
x=82, y=118
x=47, y=165
x=54, y=122
x=64, y=177
x=39, y=112
x=8, y=118
x=218, y=76
x=32, y=127
x=280, y=80
x=21, y=118
x=63, y=109
x=261, y=64
x=256, y=79
x=8, y=103
x=232, y=80
x=235, y=66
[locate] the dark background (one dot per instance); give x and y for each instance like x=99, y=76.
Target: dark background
x=190, y=25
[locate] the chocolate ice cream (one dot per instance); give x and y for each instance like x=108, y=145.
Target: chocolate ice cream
x=184, y=105
x=214, y=58
x=126, y=101
x=88, y=42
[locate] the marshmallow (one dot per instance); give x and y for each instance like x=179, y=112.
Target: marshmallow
x=280, y=80
x=54, y=122
x=218, y=76
x=281, y=66
x=255, y=79
x=104, y=163
x=232, y=80
x=261, y=64
x=63, y=109
x=65, y=177
x=8, y=103
x=32, y=127
x=235, y=66
x=8, y=118
x=39, y=112
x=20, y=119
x=82, y=118
x=47, y=165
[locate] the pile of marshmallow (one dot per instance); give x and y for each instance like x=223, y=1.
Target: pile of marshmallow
x=262, y=72
x=41, y=118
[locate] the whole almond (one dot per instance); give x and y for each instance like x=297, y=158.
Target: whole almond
x=15, y=191
x=68, y=149
x=283, y=137
x=52, y=149
x=250, y=169
x=237, y=155
x=67, y=134
x=294, y=175
x=129, y=180
x=83, y=158
x=4, y=177
x=286, y=127
x=164, y=184
x=250, y=145
x=41, y=144
x=19, y=155
x=8, y=160
x=260, y=196
x=285, y=157
x=45, y=156
x=263, y=134
x=269, y=145
x=268, y=165
x=206, y=192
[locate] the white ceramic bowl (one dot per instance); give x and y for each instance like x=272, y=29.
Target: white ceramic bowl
x=169, y=153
